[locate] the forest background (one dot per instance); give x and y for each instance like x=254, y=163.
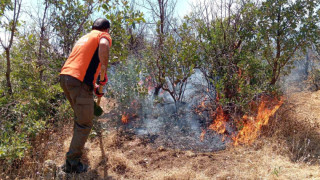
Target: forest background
x=242, y=48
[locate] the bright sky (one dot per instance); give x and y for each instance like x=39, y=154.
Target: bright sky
x=183, y=8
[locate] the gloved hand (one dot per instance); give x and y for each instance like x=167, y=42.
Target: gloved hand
x=104, y=82
x=96, y=91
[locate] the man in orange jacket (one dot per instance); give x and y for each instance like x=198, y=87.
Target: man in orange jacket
x=78, y=76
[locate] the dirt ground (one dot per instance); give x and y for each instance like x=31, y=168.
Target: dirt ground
x=289, y=148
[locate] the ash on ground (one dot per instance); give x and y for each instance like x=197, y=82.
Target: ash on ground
x=175, y=125
x=179, y=129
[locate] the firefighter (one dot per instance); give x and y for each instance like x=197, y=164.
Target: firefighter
x=78, y=79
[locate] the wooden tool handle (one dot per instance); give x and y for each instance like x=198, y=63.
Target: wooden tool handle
x=102, y=74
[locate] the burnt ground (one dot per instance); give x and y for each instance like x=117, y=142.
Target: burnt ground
x=288, y=148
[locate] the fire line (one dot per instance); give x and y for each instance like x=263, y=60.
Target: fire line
x=251, y=125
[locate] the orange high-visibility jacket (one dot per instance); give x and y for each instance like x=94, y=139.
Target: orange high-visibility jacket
x=83, y=62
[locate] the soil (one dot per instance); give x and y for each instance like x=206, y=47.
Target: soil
x=288, y=148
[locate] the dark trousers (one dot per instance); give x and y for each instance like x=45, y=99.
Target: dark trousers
x=80, y=96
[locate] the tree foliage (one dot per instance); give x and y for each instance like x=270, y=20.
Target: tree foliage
x=34, y=105
x=241, y=47
x=285, y=27
x=4, y=4
x=9, y=25
x=70, y=20
x=178, y=58
x=123, y=18
x=228, y=50
x=245, y=47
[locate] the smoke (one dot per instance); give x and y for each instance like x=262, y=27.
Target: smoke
x=162, y=122
x=301, y=73
x=176, y=125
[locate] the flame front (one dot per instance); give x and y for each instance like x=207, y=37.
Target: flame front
x=220, y=121
x=253, y=125
x=125, y=118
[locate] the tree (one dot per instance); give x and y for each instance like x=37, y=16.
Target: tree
x=3, y=5
x=123, y=18
x=179, y=58
x=43, y=26
x=284, y=27
x=162, y=14
x=136, y=31
x=70, y=19
x=34, y=103
x=42, y=22
x=227, y=50
x=10, y=25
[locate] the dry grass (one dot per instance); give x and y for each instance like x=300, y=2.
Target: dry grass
x=288, y=149
x=299, y=127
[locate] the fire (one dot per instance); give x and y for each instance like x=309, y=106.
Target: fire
x=128, y=116
x=203, y=105
x=219, y=124
x=125, y=118
x=220, y=121
x=253, y=125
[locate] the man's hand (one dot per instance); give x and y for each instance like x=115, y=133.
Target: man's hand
x=105, y=80
x=96, y=91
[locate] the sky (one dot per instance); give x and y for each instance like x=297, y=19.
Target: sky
x=183, y=7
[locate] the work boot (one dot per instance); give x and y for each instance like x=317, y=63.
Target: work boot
x=78, y=168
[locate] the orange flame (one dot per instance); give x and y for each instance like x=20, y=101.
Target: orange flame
x=203, y=105
x=219, y=124
x=253, y=125
x=125, y=118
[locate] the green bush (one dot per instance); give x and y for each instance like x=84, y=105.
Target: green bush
x=26, y=115
x=35, y=105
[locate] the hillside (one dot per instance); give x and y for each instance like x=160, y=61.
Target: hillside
x=287, y=149
x=226, y=92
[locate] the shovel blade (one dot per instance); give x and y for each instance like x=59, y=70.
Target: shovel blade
x=97, y=110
